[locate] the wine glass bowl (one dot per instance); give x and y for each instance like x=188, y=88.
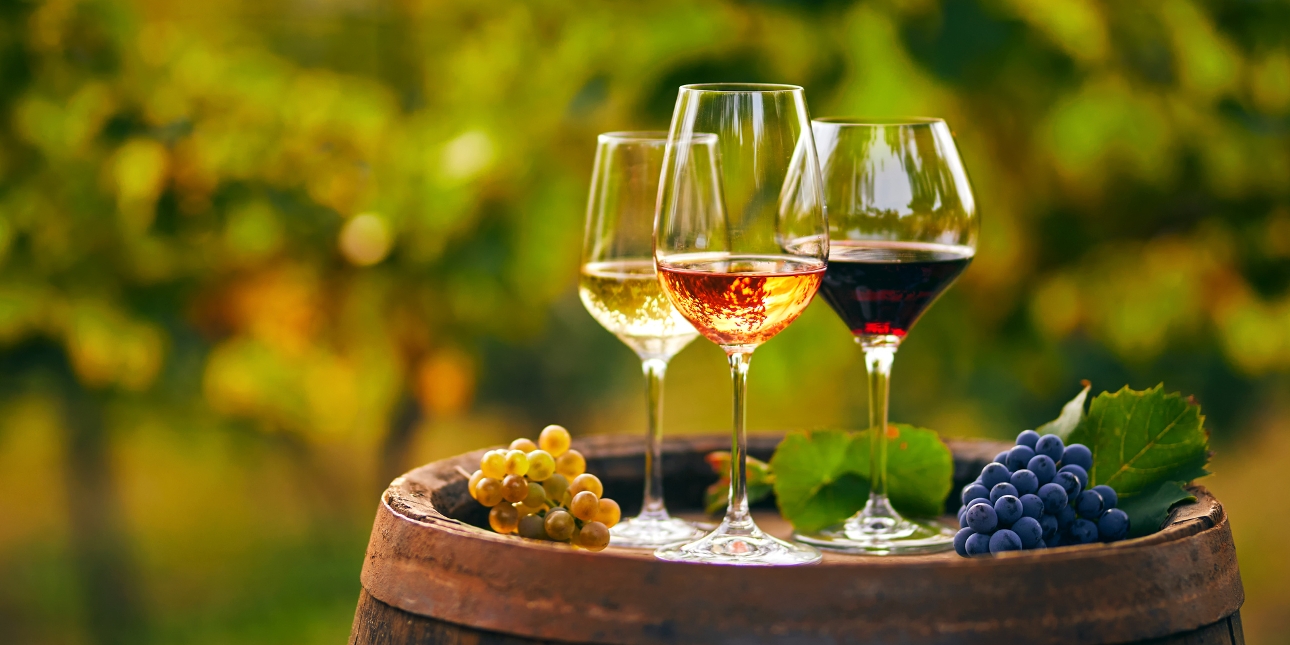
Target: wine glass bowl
x=741, y=244
x=903, y=226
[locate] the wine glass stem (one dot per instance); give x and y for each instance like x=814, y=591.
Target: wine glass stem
x=652, y=508
x=878, y=363
x=737, y=517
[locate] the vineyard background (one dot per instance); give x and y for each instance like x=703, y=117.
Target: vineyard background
x=258, y=258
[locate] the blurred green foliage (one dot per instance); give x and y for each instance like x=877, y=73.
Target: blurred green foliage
x=255, y=259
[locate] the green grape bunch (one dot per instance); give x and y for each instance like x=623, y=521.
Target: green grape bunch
x=542, y=492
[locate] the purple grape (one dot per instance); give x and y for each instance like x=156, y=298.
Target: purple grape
x=1069, y=482
x=1002, y=489
x=1084, y=532
x=1049, y=524
x=1028, y=438
x=1078, y=472
x=982, y=518
x=975, y=490
x=1089, y=505
x=1108, y=495
x=1004, y=540
x=994, y=473
x=963, y=516
x=1032, y=506
x=1113, y=526
x=1026, y=482
x=1018, y=457
x=977, y=544
x=960, y=541
x=1065, y=518
x=1078, y=454
x=1029, y=530
x=1002, y=457
x=1043, y=467
x=1051, y=445
x=1040, y=545
x=1008, y=510
x=1054, y=498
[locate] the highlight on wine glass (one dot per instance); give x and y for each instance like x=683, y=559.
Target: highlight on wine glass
x=903, y=226
x=620, y=289
x=741, y=245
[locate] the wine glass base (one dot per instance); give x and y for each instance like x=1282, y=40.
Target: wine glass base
x=650, y=533
x=882, y=536
x=746, y=547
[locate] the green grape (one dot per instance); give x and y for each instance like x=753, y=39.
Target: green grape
x=503, y=518
x=523, y=444
x=571, y=464
x=533, y=527
x=488, y=491
x=517, y=463
x=594, y=536
x=608, y=513
x=589, y=482
x=493, y=463
x=525, y=509
x=536, y=496
x=554, y=439
x=474, y=481
x=585, y=505
x=541, y=465
x=514, y=488
x=555, y=486
x=560, y=525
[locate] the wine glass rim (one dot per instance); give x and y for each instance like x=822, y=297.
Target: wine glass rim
x=868, y=121
x=741, y=88
x=635, y=135
x=656, y=137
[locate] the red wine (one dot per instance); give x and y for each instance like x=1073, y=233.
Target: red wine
x=881, y=288
x=737, y=299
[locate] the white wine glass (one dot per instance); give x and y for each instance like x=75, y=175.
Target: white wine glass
x=741, y=245
x=903, y=224
x=620, y=289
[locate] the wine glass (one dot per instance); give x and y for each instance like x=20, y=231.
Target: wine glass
x=902, y=227
x=620, y=289
x=741, y=243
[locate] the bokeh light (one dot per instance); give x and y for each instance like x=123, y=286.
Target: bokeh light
x=258, y=259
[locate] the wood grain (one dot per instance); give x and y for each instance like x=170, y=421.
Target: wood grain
x=426, y=559
x=376, y=623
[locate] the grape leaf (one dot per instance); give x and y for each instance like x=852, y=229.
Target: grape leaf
x=1148, y=511
x=815, y=485
x=717, y=497
x=1071, y=416
x=821, y=477
x=1140, y=442
x=920, y=468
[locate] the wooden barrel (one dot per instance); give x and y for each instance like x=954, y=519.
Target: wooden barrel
x=432, y=576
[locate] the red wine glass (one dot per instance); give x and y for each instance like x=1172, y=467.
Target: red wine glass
x=902, y=228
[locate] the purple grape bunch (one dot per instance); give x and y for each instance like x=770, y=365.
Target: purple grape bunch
x=1036, y=496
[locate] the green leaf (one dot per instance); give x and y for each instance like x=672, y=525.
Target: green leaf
x=821, y=477
x=1148, y=511
x=1071, y=416
x=1146, y=445
x=815, y=485
x=717, y=496
x=920, y=468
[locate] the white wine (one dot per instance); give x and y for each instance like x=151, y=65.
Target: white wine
x=624, y=296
